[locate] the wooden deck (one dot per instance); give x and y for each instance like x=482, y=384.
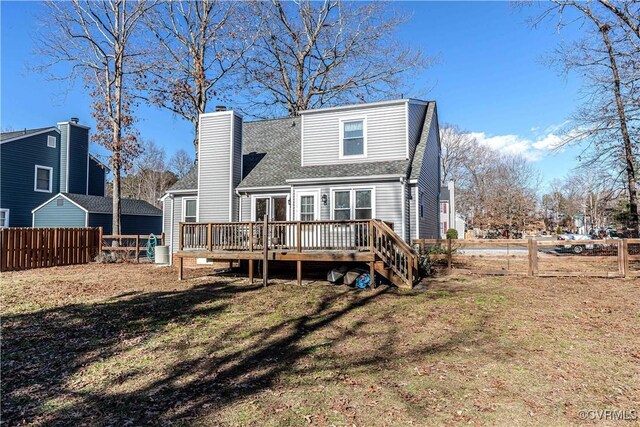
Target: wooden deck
x=366, y=241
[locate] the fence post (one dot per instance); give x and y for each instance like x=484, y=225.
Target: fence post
x=100, y=231
x=3, y=248
x=623, y=257
x=265, y=251
x=209, y=237
x=530, y=256
x=449, y=256
x=138, y=248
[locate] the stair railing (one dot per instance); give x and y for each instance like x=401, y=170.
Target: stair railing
x=394, y=252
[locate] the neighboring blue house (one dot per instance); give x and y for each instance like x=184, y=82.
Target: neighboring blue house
x=81, y=210
x=36, y=164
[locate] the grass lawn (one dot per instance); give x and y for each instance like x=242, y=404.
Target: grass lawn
x=129, y=345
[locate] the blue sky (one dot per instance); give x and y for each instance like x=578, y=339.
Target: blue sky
x=489, y=80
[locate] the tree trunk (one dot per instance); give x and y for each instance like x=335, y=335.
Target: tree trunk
x=630, y=168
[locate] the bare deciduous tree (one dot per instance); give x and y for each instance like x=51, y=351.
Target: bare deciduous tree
x=198, y=46
x=495, y=191
x=455, y=144
x=148, y=178
x=607, y=58
x=313, y=54
x=180, y=163
x=97, y=42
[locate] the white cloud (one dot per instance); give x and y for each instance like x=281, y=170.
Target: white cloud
x=532, y=149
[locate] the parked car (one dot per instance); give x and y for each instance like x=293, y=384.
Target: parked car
x=576, y=249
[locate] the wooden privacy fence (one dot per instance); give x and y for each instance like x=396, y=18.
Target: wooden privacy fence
x=27, y=248
x=531, y=257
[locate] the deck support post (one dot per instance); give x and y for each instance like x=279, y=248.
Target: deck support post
x=372, y=274
x=180, y=268
x=299, y=271
x=265, y=251
x=251, y=271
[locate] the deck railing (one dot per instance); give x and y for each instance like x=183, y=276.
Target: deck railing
x=291, y=235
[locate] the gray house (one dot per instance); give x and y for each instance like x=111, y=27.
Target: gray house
x=81, y=210
x=378, y=160
x=38, y=163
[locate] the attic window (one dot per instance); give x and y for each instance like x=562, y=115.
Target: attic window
x=353, y=138
x=60, y=202
x=51, y=141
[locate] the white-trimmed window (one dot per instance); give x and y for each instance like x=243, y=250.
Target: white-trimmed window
x=351, y=204
x=353, y=138
x=4, y=218
x=307, y=207
x=43, y=179
x=51, y=141
x=189, y=210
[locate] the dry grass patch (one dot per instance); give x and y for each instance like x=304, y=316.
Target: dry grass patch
x=130, y=345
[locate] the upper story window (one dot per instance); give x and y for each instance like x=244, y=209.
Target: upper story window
x=190, y=210
x=353, y=138
x=443, y=207
x=51, y=141
x=4, y=218
x=43, y=180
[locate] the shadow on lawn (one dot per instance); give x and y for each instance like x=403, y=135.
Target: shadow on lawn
x=43, y=351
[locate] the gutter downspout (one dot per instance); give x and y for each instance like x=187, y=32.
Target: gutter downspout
x=171, y=233
x=403, y=181
x=239, y=205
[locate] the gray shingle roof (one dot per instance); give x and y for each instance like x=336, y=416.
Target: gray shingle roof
x=418, y=156
x=188, y=182
x=271, y=156
x=99, y=204
x=25, y=132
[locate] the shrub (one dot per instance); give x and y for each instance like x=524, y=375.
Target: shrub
x=452, y=234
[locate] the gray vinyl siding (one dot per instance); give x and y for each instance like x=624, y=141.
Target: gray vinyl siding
x=64, y=142
x=245, y=208
x=237, y=164
x=416, y=121
x=17, y=174
x=388, y=199
x=413, y=205
x=214, y=177
x=52, y=215
x=96, y=178
x=386, y=134
x=429, y=182
x=176, y=207
x=166, y=218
